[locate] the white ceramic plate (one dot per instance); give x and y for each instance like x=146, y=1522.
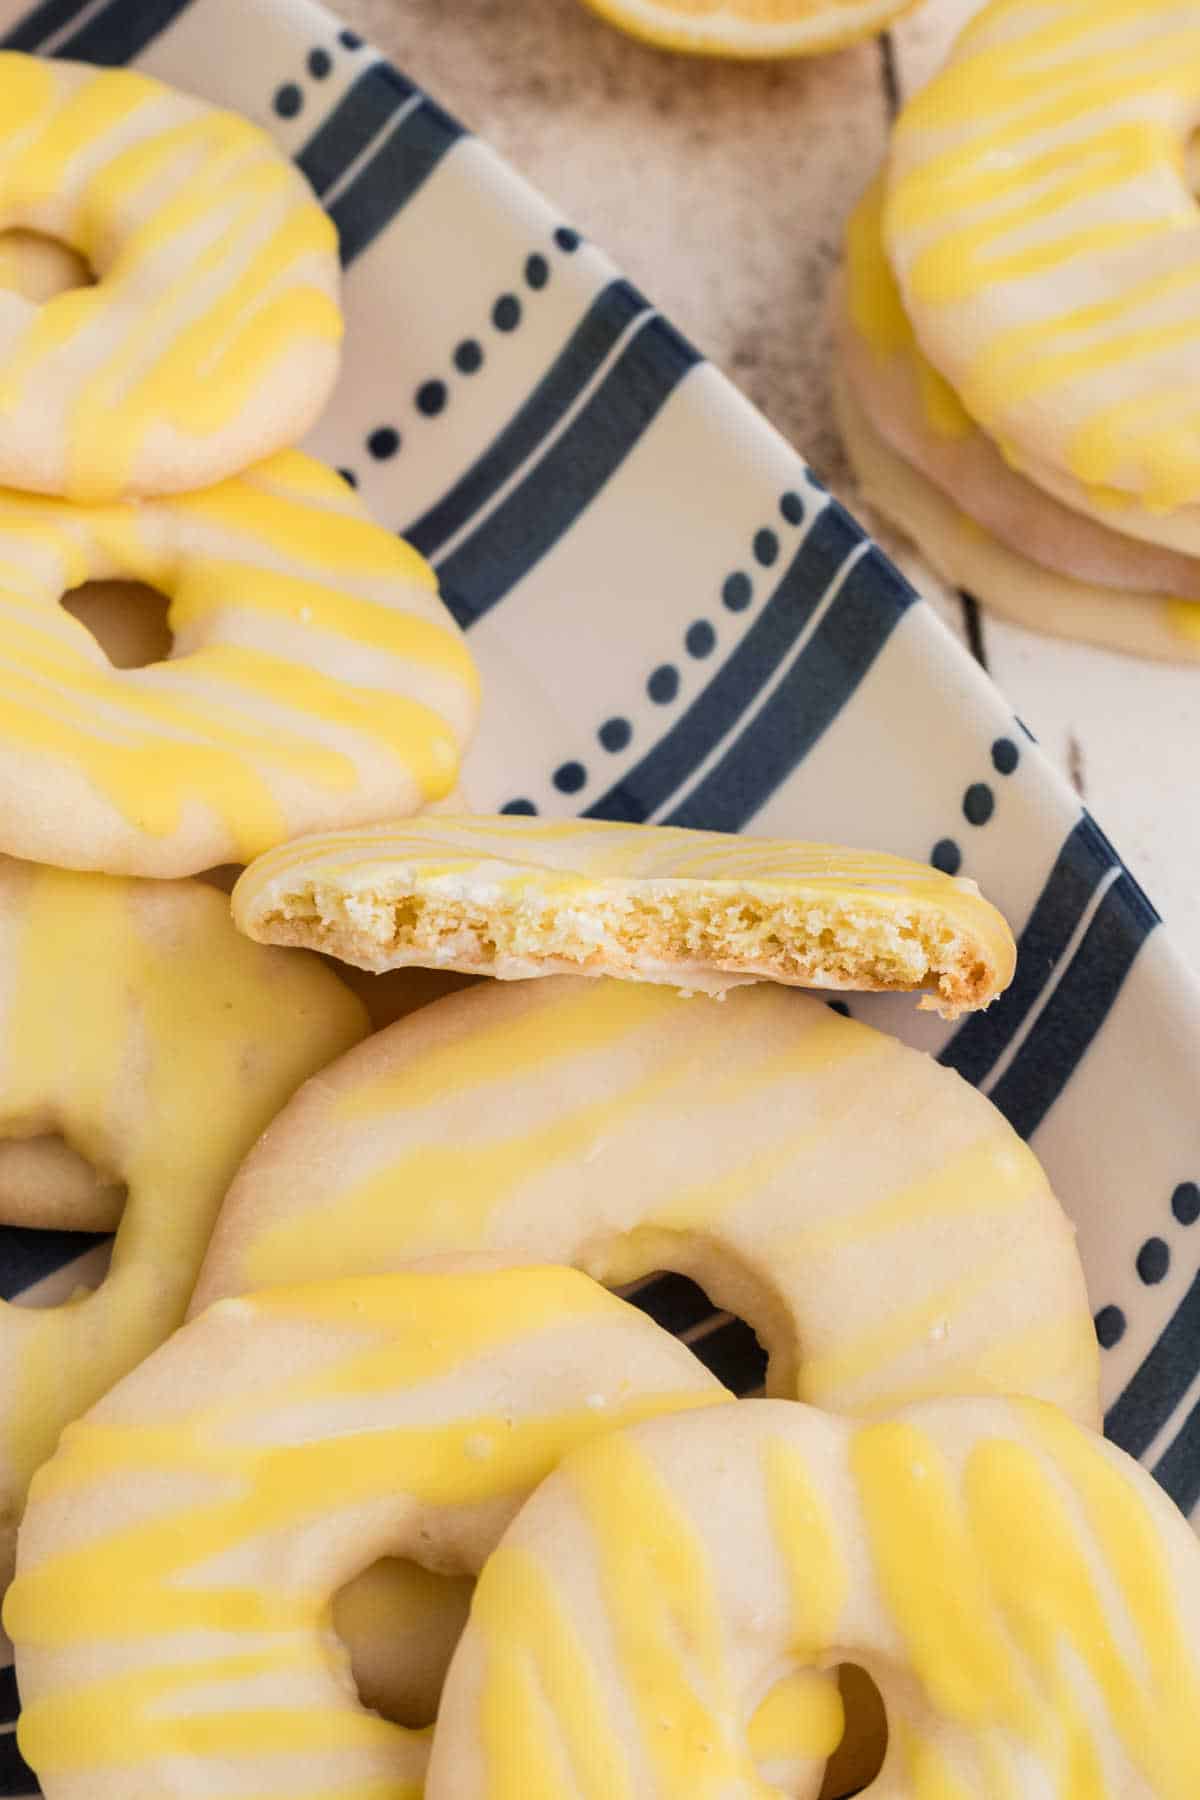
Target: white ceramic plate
x=675, y=621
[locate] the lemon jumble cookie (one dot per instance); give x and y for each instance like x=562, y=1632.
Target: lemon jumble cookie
x=926, y=465
x=135, y=1021
x=314, y=676
x=633, y=1613
x=180, y=1552
x=874, y=1218
x=514, y=897
x=210, y=337
x=1040, y=219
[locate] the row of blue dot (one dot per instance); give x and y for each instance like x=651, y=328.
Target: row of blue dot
x=699, y=641
x=433, y=395
x=289, y=98
x=978, y=805
x=1152, y=1262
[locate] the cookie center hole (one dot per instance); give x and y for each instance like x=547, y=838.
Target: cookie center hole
x=78, y=1208
x=38, y=267
x=128, y=619
x=400, y=1624
x=859, y=1757
x=722, y=1341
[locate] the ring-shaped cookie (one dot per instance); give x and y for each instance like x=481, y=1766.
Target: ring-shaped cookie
x=875, y=1219
x=171, y=1613
x=916, y=413
x=314, y=679
x=135, y=1021
x=1000, y=578
x=1045, y=234
x=210, y=336
x=1025, y=1597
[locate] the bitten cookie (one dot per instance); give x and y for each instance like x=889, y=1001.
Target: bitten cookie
x=136, y=1021
x=210, y=337
x=314, y=678
x=875, y=1219
x=513, y=897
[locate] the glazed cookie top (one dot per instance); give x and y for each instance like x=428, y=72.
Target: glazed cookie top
x=171, y=1609
x=514, y=897
x=1042, y=224
x=314, y=675
x=135, y=1021
x=210, y=336
x=1024, y=1595
x=875, y=1220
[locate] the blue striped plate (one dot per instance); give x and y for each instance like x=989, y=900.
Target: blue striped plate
x=676, y=622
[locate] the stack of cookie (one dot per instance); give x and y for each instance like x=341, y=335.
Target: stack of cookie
x=1017, y=337
x=249, y=1544
x=151, y=378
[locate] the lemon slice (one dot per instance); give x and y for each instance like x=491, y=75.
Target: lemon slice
x=750, y=28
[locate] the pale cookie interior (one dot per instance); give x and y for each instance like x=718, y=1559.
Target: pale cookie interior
x=695, y=934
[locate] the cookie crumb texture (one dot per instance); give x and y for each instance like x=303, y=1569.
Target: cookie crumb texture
x=881, y=925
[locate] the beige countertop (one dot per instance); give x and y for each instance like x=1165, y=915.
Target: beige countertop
x=721, y=189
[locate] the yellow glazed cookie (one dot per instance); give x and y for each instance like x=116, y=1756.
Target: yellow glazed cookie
x=917, y=413
x=1025, y=1597
x=1042, y=224
x=171, y=1613
x=514, y=897
x=968, y=557
x=210, y=337
x=314, y=678
x=135, y=1021
x=876, y=1220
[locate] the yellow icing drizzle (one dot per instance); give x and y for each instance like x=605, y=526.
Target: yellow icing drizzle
x=125, y=1003
x=1040, y=216
x=656, y=1577
x=214, y=264
x=229, y=1550
x=877, y=313
x=789, y=1194
x=1024, y=1597
x=257, y=719
x=999, y=1645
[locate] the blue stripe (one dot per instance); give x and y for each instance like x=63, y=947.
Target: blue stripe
x=650, y=783
x=866, y=610
x=403, y=163
x=27, y=1257
x=571, y=474
x=1077, y=1008
x=41, y=24
x=1085, y=993
x=1085, y=858
x=355, y=122
x=1179, y=1469
x=1135, y=1419
x=10, y=1706
x=16, y=1777
x=122, y=31
x=610, y=313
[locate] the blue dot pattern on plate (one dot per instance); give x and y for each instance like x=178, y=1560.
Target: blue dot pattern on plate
x=946, y=856
x=615, y=735
x=383, y=442
x=979, y=803
x=663, y=684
